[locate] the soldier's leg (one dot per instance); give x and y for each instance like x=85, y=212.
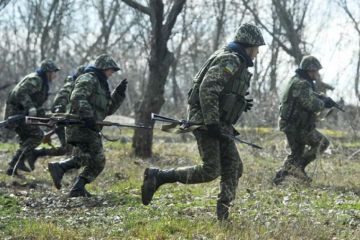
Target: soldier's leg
x=30, y=138
x=56, y=151
x=58, y=169
x=318, y=144
x=209, y=149
x=93, y=159
x=231, y=171
x=292, y=161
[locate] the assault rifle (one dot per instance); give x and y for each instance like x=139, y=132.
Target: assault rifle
x=61, y=120
x=337, y=106
x=14, y=119
x=184, y=124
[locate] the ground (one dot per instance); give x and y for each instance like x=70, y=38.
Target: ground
x=328, y=208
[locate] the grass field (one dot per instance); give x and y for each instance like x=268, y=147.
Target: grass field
x=328, y=208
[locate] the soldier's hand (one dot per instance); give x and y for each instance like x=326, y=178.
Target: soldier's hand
x=58, y=109
x=121, y=88
x=32, y=112
x=249, y=104
x=329, y=103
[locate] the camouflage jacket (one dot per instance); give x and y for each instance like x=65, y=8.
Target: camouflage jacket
x=91, y=99
x=217, y=95
x=31, y=91
x=299, y=105
x=62, y=98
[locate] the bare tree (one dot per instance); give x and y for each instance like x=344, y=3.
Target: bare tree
x=291, y=15
x=356, y=24
x=219, y=7
x=160, y=60
x=3, y=4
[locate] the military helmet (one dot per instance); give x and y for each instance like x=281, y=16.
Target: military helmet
x=80, y=70
x=249, y=34
x=48, y=65
x=105, y=61
x=310, y=63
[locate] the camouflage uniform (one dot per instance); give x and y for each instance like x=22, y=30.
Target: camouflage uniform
x=59, y=105
x=27, y=98
x=217, y=98
x=298, y=111
x=92, y=101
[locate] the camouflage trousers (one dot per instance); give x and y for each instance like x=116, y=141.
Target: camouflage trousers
x=220, y=158
x=300, y=156
x=64, y=147
x=90, y=155
x=30, y=137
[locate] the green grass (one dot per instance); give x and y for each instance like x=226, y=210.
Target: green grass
x=329, y=208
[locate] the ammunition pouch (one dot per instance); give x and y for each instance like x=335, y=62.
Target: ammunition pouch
x=232, y=106
x=193, y=95
x=232, y=103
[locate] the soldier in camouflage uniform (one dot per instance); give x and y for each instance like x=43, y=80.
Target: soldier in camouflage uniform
x=92, y=101
x=299, y=105
x=216, y=100
x=59, y=105
x=27, y=98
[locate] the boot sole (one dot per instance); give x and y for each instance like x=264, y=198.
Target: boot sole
x=52, y=170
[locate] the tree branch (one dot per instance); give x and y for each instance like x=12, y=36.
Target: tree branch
x=257, y=19
x=137, y=6
x=171, y=19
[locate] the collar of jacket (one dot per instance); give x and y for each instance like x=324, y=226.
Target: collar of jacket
x=240, y=52
x=99, y=73
x=303, y=74
x=42, y=74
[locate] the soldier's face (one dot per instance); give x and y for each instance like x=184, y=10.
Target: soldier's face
x=314, y=75
x=109, y=72
x=253, y=52
x=51, y=76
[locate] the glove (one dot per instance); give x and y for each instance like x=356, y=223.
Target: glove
x=121, y=88
x=90, y=123
x=249, y=104
x=329, y=103
x=214, y=131
x=32, y=112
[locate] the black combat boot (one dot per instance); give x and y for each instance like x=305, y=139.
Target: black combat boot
x=58, y=169
x=222, y=211
x=303, y=165
x=78, y=190
x=153, y=179
x=280, y=176
x=19, y=164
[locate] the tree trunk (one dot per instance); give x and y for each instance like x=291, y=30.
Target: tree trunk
x=160, y=61
x=151, y=103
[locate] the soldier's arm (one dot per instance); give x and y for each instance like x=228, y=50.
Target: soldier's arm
x=307, y=97
x=62, y=98
x=23, y=93
x=116, y=100
x=83, y=89
x=213, y=83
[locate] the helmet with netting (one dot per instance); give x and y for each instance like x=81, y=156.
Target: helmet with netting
x=250, y=35
x=48, y=65
x=310, y=63
x=105, y=61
